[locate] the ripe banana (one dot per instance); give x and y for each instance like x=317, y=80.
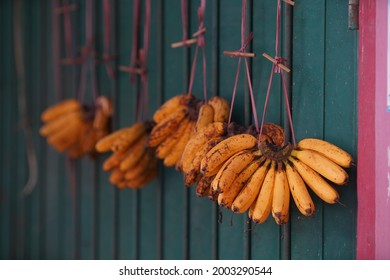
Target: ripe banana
x=317, y=184
x=174, y=157
x=263, y=204
x=59, y=109
x=322, y=165
x=192, y=174
x=113, y=160
x=169, y=143
x=198, y=139
x=129, y=134
x=134, y=154
x=221, y=108
x=59, y=123
x=281, y=196
x=143, y=164
x=327, y=149
x=224, y=150
x=205, y=117
x=116, y=176
x=231, y=169
x=226, y=198
x=203, y=187
x=165, y=128
x=299, y=191
x=171, y=105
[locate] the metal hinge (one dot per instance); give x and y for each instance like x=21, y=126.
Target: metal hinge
x=353, y=14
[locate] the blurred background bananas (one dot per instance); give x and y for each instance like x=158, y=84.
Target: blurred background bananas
x=73, y=128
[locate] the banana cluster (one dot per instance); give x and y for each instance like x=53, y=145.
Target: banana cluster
x=245, y=174
x=132, y=163
x=73, y=128
x=176, y=122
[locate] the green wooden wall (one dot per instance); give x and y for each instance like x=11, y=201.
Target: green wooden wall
x=166, y=220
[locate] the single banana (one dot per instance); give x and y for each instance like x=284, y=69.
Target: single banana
x=193, y=173
x=174, y=157
x=327, y=149
x=165, y=128
x=170, y=142
x=263, y=203
x=205, y=117
x=315, y=182
x=113, y=160
x=249, y=192
x=59, y=109
x=134, y=154
x=281, y=196
x=144, y=163
x=116, y=176
x=221, y=108
x=173, y=104
x=299, y=191
x=224, y=150
x=231, y=169
x=122, y=138
x=324, y=166
x=226, y=198
x=198, y=139
x=204, y=186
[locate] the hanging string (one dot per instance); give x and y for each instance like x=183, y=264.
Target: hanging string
x=201, y=42
x=22, y=100
x=107, y=58
x=87, y=53
x=244, y=43
x=277, y=69
x=184, y=21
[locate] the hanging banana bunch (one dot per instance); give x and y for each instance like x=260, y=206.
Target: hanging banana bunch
x=73, y=128
x=132, y=163
x=259, y=179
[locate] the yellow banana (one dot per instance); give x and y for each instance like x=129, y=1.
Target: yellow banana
x=324, y=166
x=231, y=169
x=134, y=154
x=67, y=137
x=59, y=123
x=198, y=139
x=121, y=139
x=327, y=149
x=165, y=128
x=299, y=191
x=281, y=196
x=116, y=176
x=224, y=150
x=173, y=104
x=226, y=198
x=144, y=163
x=204, y=186
x=317, y=184
x=113, y=161
x=174, y=156
x=221, y=108
x=60, y=109
x=262, y=206
x=146, y=176
x=205, y=117
x=193, y=173
x=169, y=143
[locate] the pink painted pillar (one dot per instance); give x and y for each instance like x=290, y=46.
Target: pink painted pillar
x=373, y=225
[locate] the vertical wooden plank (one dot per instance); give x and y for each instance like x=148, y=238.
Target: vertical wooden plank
x=232, y=229
x=341, y=127
x=105, y=196
x=308, y=114
x=148, y=205
x=6, y=59
x=200, y=220
x=266, y=237
x=126, y=107
x=172, y=187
